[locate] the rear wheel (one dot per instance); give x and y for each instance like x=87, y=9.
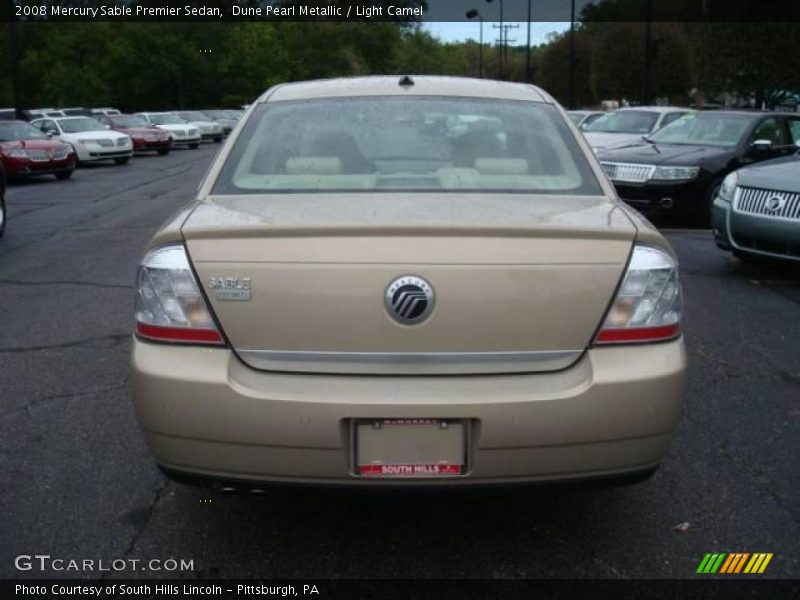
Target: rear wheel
x=217, y=140
x=194, y=146
x=163, y=152
x=3, y=217
x=123, y=160
x=64, y=174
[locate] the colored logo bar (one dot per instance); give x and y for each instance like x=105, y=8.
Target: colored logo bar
x=734, y=563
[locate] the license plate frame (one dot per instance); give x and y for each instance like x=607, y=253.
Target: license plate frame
x=375, y=452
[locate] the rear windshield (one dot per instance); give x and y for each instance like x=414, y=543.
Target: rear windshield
x=625, y=121
x=410, y=143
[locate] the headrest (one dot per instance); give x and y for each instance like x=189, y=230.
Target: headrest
x=502, y=166
x=314, y=165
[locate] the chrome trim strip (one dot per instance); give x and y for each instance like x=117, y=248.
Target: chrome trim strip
x=409, y=363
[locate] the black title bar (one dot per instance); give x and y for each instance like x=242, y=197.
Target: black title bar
x=400, y=10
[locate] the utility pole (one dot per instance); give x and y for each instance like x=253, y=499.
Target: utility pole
x=528, y=48
x=571, y=101
x=13, y=40
x=471, y=14
x=648, y=51
x=503, y=41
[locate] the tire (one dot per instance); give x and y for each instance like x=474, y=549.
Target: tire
x=194, y=146
x=3, y=212
x=64, y=174
x=163, y=152
x=701, y=216
x=217, y=140
x=122, y=161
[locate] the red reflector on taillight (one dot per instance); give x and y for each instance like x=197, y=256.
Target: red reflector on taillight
x=637, y=334
x=179, y=334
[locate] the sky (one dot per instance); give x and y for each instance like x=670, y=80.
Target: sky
x=465, y=30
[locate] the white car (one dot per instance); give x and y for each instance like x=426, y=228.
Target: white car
x=209, y=129
x=182, y=133
x=105, y=111
x=91, y=140
x=627, y=126
x=41, y=113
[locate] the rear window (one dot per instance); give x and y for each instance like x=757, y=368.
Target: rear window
x=428, y=144
x=625, y=121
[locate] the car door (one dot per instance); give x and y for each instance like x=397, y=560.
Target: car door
x=793, y=124
x=48, y=126
x=771, y=129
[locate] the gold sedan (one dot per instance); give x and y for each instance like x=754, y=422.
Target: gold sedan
x=407, y=281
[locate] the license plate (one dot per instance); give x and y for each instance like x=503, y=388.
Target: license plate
x=409, y=448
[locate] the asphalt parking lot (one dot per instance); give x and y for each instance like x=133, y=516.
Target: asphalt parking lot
x=78, y=482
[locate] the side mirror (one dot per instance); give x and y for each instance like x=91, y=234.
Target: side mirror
x=49, y=133
x=108, y=126
x=760, y=146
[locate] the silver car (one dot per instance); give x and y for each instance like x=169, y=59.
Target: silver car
x=757, y=210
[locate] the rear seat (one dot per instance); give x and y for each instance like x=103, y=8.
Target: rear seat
x=314, y=165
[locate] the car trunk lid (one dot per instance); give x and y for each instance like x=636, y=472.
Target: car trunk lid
x=298, y=281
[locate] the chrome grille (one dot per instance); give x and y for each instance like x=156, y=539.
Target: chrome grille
x=37, y=154
x=628, y=172
x=768, y=203
x=105, y=143
x=192, y=132
x=179, y=133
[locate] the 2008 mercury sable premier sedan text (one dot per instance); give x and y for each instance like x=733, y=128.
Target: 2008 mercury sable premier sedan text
x=407, y=281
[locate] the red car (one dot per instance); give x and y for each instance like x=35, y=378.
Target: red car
x=26, y=151
x=145, y=137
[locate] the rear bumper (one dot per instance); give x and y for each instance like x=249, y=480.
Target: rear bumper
x=205, y=413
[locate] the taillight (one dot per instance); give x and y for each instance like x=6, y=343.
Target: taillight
x=647, y=307
x=169, y=305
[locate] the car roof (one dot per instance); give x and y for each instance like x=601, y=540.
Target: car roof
x=423, y=85
x=738, y=113
x=658, y=109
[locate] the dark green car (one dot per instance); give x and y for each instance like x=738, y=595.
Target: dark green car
x=756, y=212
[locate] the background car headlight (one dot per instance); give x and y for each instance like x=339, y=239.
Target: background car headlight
x=675, y=173
x=728, y=187
x=647, y=307
x=169, y=305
